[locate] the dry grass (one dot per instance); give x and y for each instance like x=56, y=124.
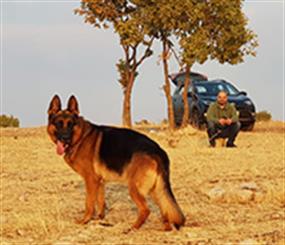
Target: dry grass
x=233, y=196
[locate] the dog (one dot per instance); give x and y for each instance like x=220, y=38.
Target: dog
x=103, y=153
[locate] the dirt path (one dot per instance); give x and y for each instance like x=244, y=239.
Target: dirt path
x=229, y=196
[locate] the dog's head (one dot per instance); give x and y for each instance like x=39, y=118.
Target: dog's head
x=64, y=126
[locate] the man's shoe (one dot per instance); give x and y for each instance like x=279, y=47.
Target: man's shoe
x=212, y=143
x=231, y=145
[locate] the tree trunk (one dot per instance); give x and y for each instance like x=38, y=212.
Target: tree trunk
x=166, y=86
x=127, y=118
x=187, y=83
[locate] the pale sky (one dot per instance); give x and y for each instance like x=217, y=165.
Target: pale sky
x=46, y=49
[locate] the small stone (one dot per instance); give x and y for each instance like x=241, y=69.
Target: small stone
x=4, y=175
x=258, y=197
x=192, y=235
x=275, y=216
x=23, y=197
x=244, y=196
x=20, y=232
x=249, y=186
x=172, y=142
x=216, y=194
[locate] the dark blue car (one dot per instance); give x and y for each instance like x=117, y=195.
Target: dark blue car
x=202, y=93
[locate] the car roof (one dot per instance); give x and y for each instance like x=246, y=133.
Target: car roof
x=210, y=81
x=173, y=76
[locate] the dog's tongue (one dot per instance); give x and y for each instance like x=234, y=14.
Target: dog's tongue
x=59, y=148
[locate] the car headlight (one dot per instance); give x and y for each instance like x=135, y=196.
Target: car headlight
x=207, y=102
x=248, y=102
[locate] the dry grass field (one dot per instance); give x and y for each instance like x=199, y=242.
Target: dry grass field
x=229, y=196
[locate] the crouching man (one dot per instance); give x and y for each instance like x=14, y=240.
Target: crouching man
x=222, y=120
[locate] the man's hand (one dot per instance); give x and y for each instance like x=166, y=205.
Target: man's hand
x=229, y=121
x=223, y=121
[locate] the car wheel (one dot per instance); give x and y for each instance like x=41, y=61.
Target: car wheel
x=195, y=120
x=248, y=127
x=177, y=122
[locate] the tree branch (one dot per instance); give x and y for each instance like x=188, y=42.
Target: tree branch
x=180, y=63
x=134, y=57
x=127, y=53
x=147, y=53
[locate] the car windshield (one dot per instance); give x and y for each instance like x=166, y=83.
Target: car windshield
x=212, y=89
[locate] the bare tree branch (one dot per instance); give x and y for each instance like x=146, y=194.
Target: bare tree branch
x=147, y=53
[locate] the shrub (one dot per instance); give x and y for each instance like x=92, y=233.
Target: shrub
x=9, y=121
x=164, y=121
x=263, y=116
x=143, y=122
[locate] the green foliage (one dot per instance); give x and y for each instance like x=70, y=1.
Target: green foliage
x=218, y=30
x=9, y=121
x=122, y=68
x=121, y=15
x=204, y=29
x=263, y=116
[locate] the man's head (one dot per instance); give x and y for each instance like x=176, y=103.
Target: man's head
x=222, y=98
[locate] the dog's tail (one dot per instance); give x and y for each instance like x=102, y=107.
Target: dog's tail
x=165, y=199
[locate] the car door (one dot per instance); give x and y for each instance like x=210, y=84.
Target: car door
x=178, y=103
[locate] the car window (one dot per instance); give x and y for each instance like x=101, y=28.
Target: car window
x=231, y=90
x=213, y=89
x=201, y=89
x=190, y=89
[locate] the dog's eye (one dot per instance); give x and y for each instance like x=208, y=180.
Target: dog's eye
x=59, y=124
x=69, y=124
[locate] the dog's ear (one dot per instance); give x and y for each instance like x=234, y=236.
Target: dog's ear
x=55, y=105
x=72, y=105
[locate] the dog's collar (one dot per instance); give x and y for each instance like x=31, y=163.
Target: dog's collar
x=72, y=148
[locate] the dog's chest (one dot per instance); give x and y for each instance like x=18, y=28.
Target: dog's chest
x=107, y=174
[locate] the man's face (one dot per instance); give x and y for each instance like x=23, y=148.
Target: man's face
x=222, y=98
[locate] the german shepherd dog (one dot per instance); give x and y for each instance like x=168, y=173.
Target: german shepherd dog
x=102, y=153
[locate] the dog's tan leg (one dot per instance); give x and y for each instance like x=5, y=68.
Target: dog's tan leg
x=143, y=211
x=167, y=225
x=91, y=189
x=101, y=200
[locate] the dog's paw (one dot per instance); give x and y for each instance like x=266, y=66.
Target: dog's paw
x=101, y=216
x=167, y=227
x=83, y=221
x=129, y=230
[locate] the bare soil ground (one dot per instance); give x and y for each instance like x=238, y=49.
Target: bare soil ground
x=229, y=196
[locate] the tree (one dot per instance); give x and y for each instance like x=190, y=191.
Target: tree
x=120, y=14
x=217, y=30
x=159, y=18
x=205, y=29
